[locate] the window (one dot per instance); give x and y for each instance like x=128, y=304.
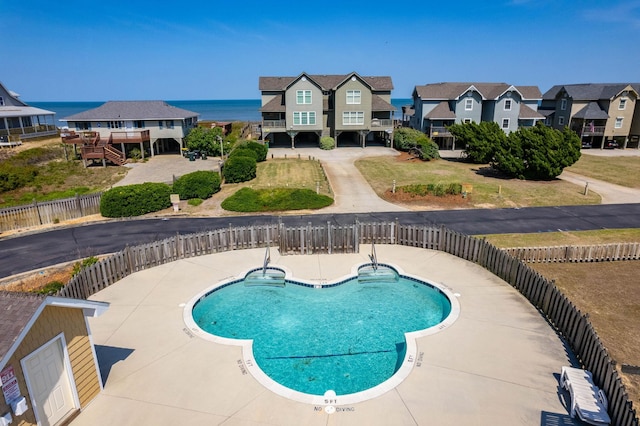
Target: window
x=561, y=121
x=563, y=104
x=466, y=121
x=115, y=124
x=138, y=124
x=505, y=123
x=169, y=124
x=618, y=123
x=468, y=104
x=161, y=124
x=1, y=101
x=304, y=118
x=83, y=125
x=303, y=97
x=354, y=97
x=507, y=105
x=623, y=103
x=352, y=117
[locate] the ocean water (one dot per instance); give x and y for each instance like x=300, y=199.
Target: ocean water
x=220, y=110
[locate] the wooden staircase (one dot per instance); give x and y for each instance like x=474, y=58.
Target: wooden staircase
x=95, y=148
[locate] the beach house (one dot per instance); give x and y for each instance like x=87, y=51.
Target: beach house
x=439, y=105
x=48, y=365
x=19, y=121
x=355, y=110
x=603, y=115
x=112, y=130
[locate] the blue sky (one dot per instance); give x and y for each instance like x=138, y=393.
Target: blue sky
x=139, y=50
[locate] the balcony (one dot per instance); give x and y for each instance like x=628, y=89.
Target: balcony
x=378, y=123
x=271, y=125
x=588, y=130
x=21, y=133
x=132, y=136
x=439, y=131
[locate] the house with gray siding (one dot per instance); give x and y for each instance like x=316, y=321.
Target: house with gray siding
x=600, y=113
x=439, y=105
x=151, y=126
x=355, y=110
x=19, y=121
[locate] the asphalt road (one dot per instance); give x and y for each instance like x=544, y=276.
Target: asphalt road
x=39, y=250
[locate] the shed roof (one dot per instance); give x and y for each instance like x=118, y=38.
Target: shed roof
x=18, y=312
x=25, y=111
x=132, y=110
x=441, y=112
x=527, y=113
x=592, y=111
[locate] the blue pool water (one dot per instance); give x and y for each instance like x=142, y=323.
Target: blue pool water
x=347, y=338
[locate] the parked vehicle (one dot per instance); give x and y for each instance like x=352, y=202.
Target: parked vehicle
x=611, y=144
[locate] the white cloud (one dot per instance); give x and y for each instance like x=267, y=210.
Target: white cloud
x=623, y=13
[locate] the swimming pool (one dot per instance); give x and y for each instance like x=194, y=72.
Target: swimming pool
x=348, y=337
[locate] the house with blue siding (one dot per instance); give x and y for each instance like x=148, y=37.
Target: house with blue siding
x=439, y=105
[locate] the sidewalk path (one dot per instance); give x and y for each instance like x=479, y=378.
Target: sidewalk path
x=610, y=193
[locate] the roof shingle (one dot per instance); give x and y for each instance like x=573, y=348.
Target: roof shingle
x=133, y=110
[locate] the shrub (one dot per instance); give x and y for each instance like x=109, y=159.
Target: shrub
x=260, y=150
x=13, y=176
x=135, y=154
x=481, y=140
x=51, y=288
x=239, y=169
x=406, y=139
x=244, y=152
x=135, y=200
x=437, y=189
x=79, y=266
x=327, y=142
x=427, y=149
x=201, y=184
x=277, y=199
x=195, y=202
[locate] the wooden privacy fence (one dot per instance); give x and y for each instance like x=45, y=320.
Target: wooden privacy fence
x=574, y=326
x=593, y=253
x=36, y=214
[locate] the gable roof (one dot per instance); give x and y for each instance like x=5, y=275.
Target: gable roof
x=448, y=91
x=18, y=312
x=590, y=91
x=325, y=81
x=274, y=105
x=14, y=96
x=132, y=110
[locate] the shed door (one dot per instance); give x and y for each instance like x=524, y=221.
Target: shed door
x=49, y=383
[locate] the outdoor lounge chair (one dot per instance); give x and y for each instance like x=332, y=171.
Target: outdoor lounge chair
x=588, y=402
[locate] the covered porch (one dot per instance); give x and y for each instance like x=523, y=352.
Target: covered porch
x=20, y=123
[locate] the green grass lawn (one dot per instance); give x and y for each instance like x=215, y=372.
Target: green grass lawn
x=623, y=171
x=290, y=173
x=489, y=190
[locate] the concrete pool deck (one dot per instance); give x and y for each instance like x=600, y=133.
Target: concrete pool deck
x=498, y=364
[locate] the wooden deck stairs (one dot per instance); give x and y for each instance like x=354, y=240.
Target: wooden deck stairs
x=94, y=148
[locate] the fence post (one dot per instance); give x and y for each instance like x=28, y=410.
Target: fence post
x=35, y=205
x=79, y=205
